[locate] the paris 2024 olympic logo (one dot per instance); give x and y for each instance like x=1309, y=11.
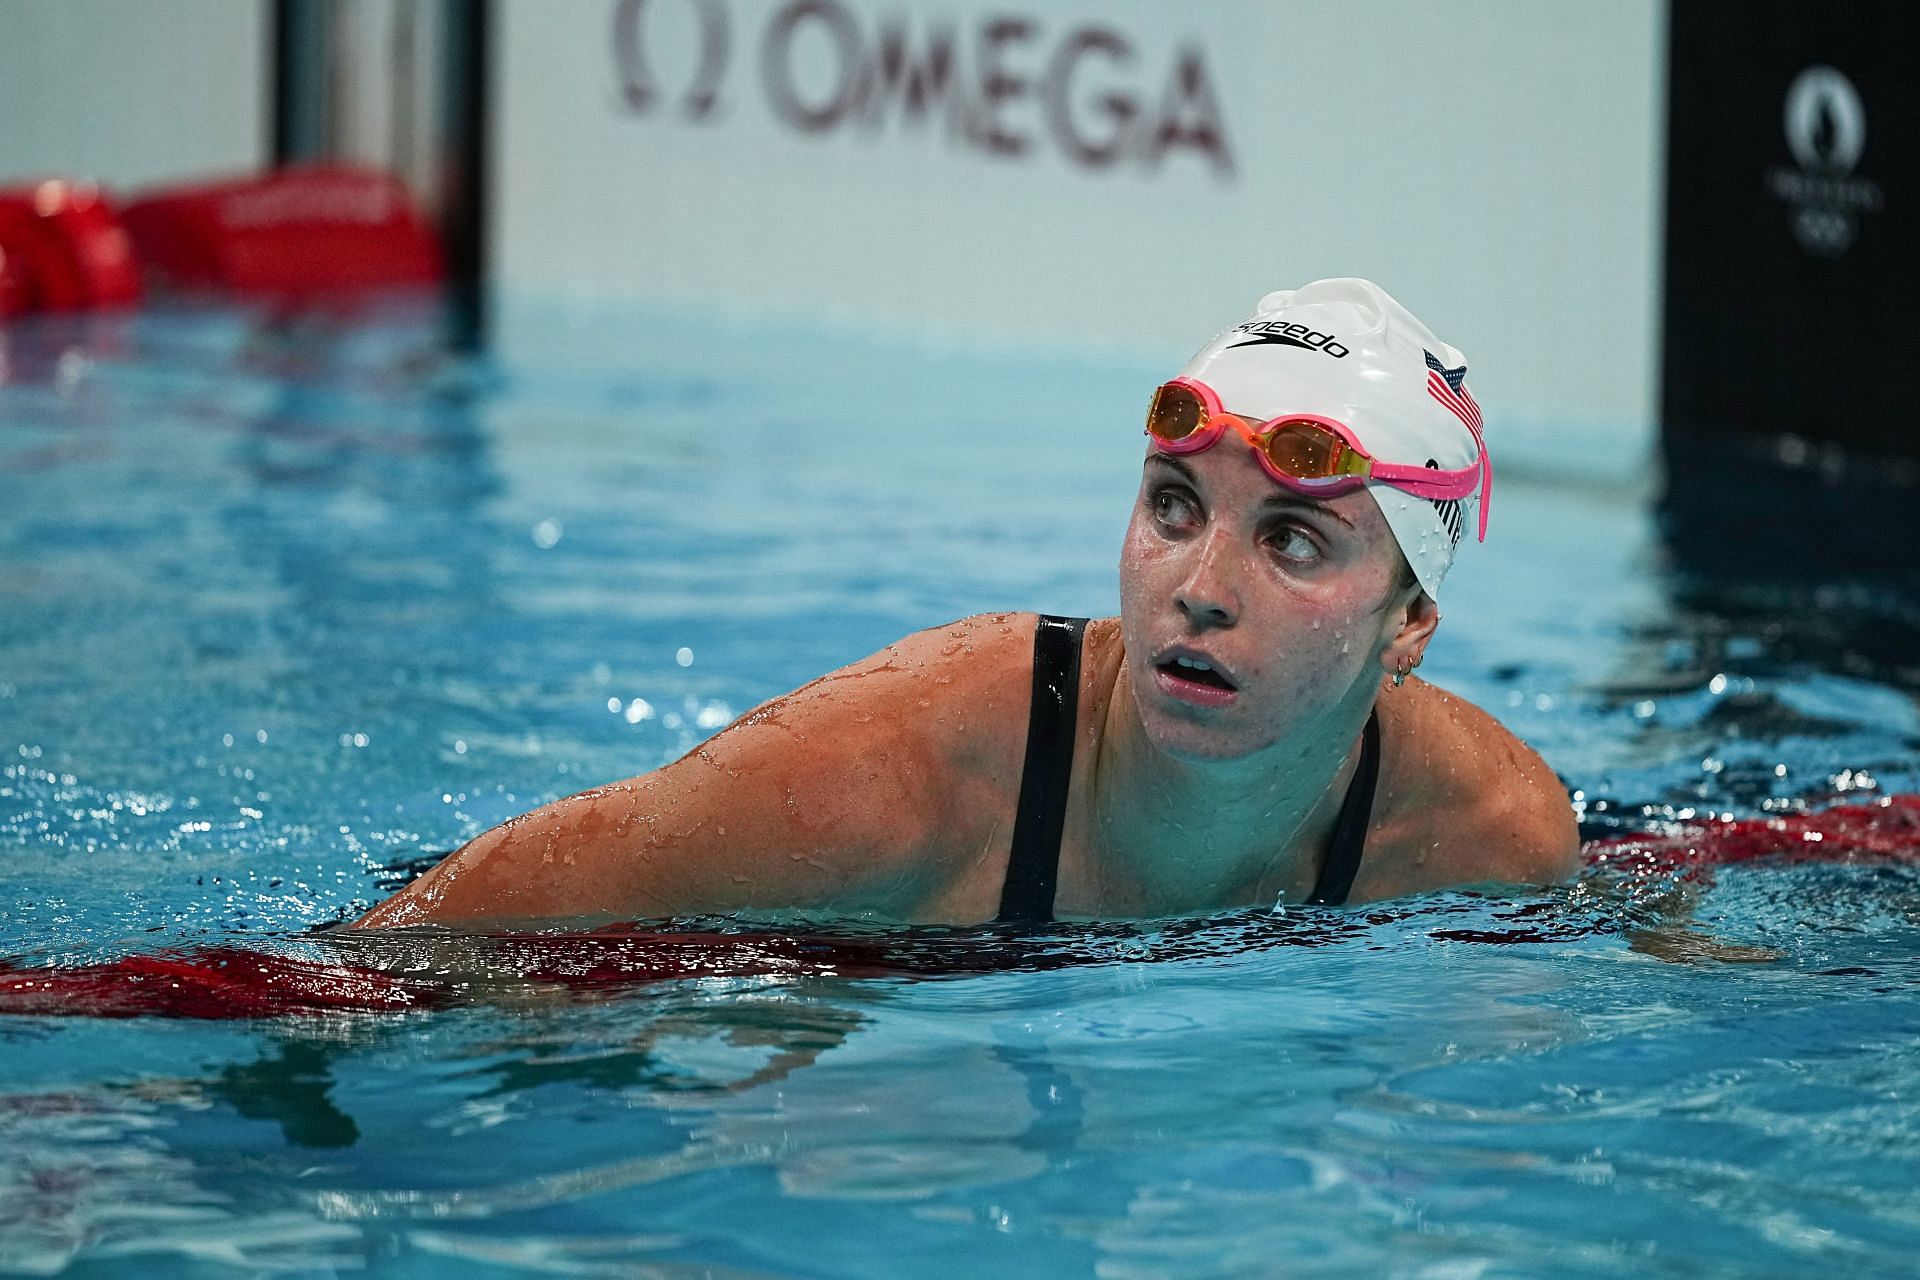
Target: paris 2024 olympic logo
x=1826, y=129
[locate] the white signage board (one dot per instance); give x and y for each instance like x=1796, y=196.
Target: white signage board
x=132, y=95
x=1124, y=175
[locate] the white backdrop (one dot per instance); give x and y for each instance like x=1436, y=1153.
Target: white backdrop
x=132, y=93
x=1125, y=175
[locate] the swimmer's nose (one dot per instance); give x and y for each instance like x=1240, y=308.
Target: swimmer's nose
x=1209, y=596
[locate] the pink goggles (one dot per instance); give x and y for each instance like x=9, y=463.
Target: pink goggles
x=1306, y=452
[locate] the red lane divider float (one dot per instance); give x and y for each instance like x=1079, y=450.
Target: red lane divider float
x=232, y=983
x=1886, y=829
x=297, y=235
x=215, y=982
x=62, y=248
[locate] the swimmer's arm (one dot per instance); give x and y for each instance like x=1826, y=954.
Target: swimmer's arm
x=836, y=796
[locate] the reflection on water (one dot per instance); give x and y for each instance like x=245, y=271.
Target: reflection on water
x=1777, y=670
x=751, y=1039
x=1779, y=570
x=290, y=1088
x=1112, y=1099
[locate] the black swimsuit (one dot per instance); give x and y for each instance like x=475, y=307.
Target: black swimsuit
x=1034, y=863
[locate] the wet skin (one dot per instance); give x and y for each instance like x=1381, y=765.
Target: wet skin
x=888, y=787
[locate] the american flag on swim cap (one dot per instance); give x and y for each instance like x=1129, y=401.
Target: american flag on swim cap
x=1449, y=387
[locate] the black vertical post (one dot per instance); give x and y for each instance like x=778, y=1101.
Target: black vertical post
x=312, y=122
x=300, y=82
x=463, y=220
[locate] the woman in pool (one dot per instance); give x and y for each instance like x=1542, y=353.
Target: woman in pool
x=1245, y=732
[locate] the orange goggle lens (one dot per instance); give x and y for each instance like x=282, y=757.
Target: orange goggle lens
x=1175, y=414
x=1308, y=451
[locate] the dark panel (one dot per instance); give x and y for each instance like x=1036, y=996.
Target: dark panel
x=1793, y=224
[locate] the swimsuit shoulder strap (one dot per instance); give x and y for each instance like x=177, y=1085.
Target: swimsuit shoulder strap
x=1034, y=862
x=1349, y=838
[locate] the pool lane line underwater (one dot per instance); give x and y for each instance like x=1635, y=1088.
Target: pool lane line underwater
x=231, y=982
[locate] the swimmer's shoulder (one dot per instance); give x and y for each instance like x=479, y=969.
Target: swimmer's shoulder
x=1462, y=801
x=951, y=686
x=969, y=705
x=948, y=704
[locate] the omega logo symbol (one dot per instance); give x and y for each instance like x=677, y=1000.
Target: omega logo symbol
x=637, y=82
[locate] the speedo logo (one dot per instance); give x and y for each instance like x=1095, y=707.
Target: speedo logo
x=1276, y=333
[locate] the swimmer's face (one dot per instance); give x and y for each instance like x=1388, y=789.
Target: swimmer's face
x=1300, y=605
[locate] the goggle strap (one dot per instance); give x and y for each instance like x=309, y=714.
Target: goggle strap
x=1486, y=473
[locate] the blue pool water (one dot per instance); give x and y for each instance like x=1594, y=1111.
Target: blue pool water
x=288, y=610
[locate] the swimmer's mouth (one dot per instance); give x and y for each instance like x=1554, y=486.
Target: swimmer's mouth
x=1196, y=668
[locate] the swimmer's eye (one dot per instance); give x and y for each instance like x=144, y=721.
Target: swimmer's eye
x=1293, y=543
x=1174, y=508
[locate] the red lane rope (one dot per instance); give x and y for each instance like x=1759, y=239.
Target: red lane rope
x=226, y=982
x=214, y=982
x=1886, y=829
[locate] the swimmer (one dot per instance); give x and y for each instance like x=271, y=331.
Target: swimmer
x=1248, y=731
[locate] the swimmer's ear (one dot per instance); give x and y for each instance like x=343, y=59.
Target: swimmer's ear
x=1408, y=644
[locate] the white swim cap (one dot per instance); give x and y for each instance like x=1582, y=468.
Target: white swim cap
x=1346, y=350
